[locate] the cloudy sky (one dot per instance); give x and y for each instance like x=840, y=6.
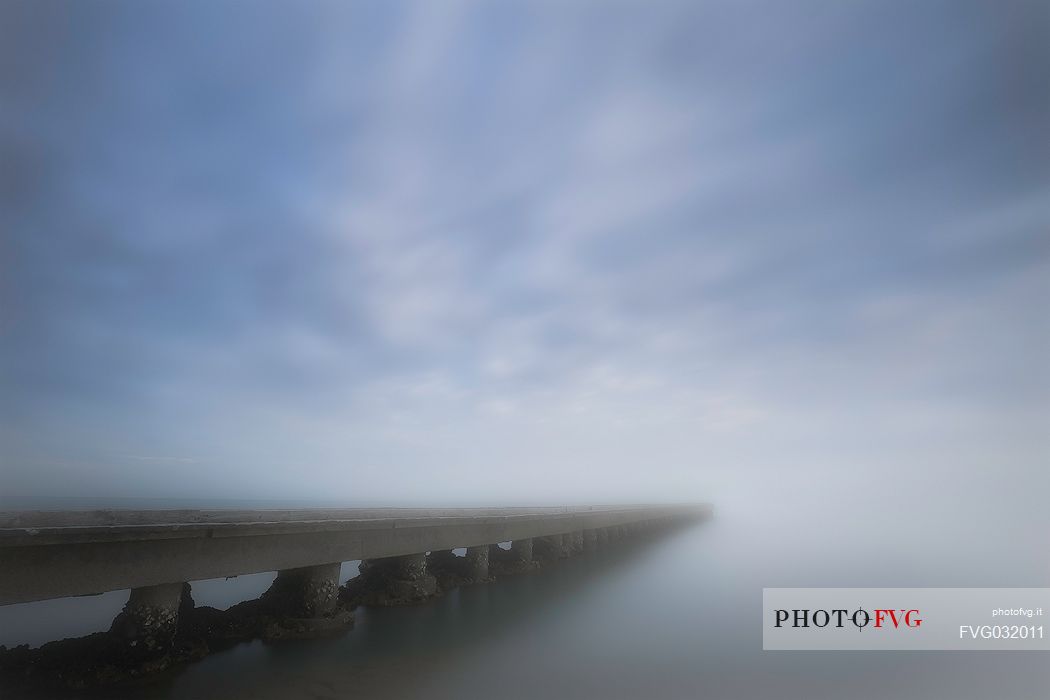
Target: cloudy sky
x=523, y=251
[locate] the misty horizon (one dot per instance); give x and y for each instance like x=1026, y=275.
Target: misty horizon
x=526, y=254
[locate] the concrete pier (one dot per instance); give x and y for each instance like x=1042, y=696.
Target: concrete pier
x=157, y=553
x=47, y=555
x=522, y=550
x=310, y=591
x=150, y=618
x=550, y=548
x=590, y=540
x=477, y=568
x=442, y=559
x=393, y=581
x=518, y=559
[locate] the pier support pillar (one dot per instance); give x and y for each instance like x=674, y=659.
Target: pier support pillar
x=311, y=591
x=576, y=542
x=393, y=581
x=150, y=618
x=442, y=560
x=552, y=547
x=303, y=603
x=517, y=560
x=590, y=540
x=478, y=563
x=522, y=550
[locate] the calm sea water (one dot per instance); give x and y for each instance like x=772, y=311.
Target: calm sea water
x=673, y=617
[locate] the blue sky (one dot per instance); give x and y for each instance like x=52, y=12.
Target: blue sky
x=543, y=251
